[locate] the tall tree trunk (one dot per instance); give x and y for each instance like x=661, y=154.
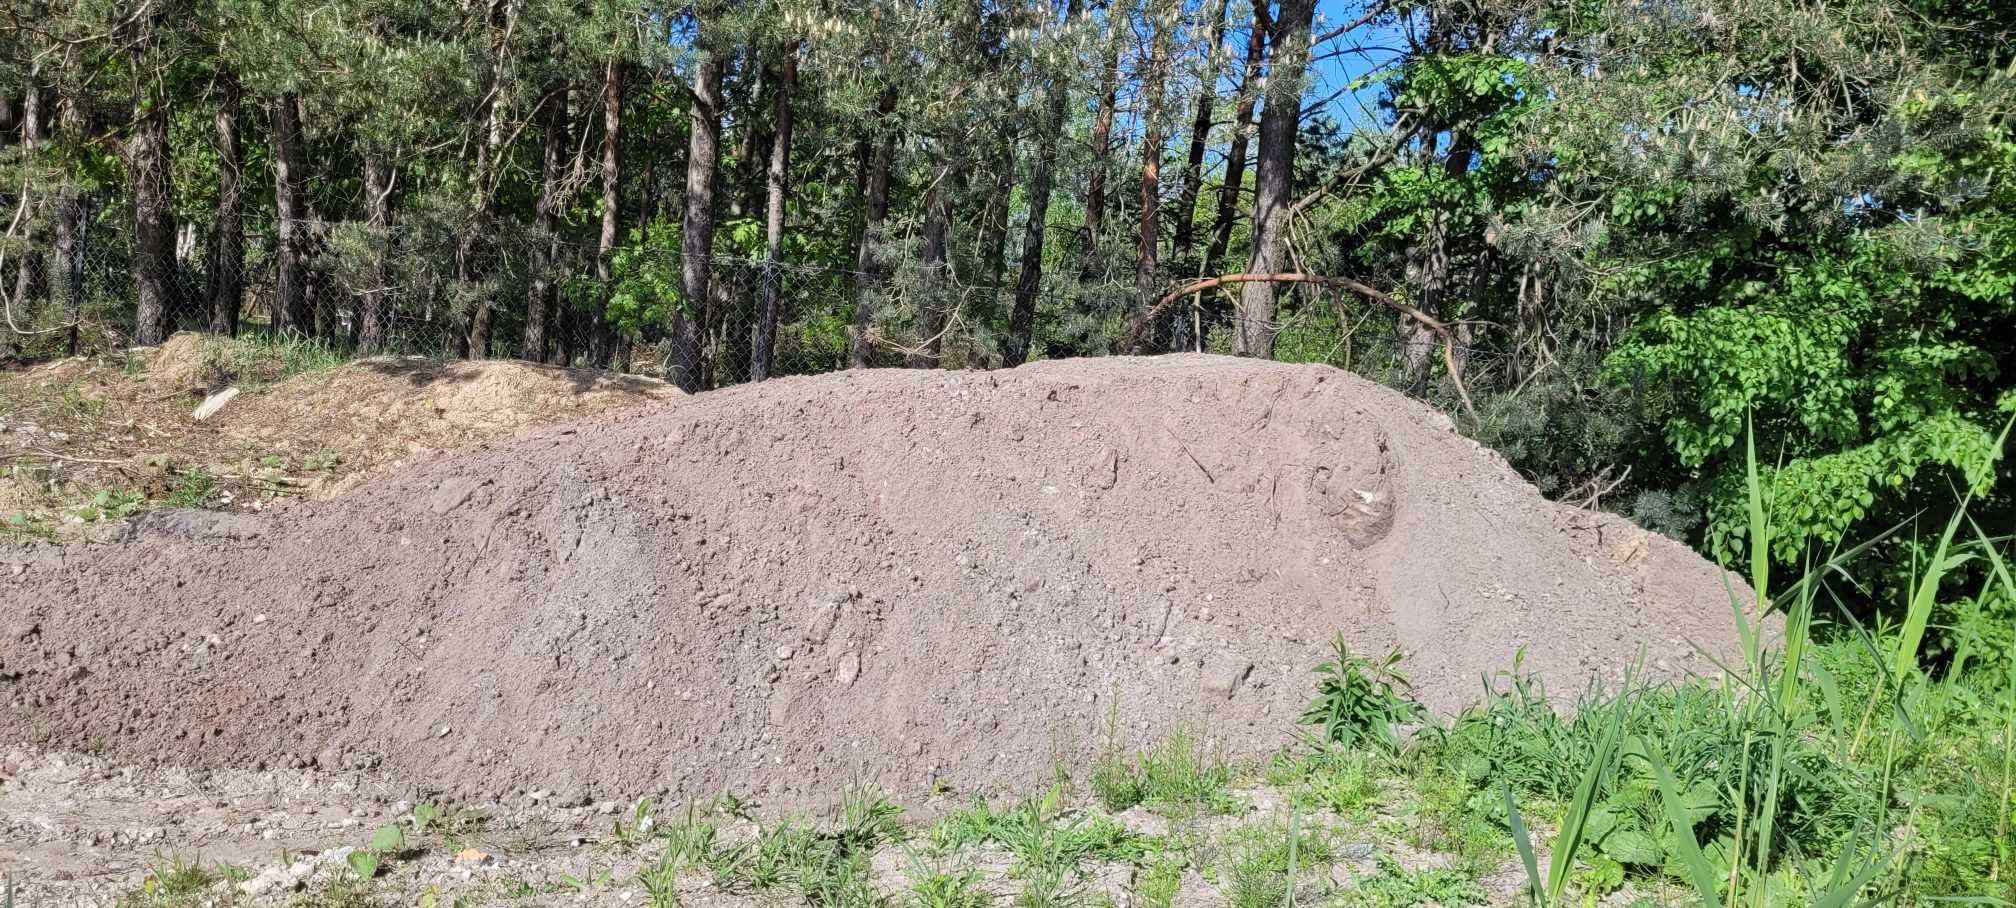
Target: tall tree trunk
x=546, y=221
x=931, y=292
x=147, y=164
x=780, y=172
x=993, y=232
x=1029, y=282
x=868, y=282
x=1279, y=122
x=1200, y=140
x=374, y=303
x=603, y=345
x=72, y=233
x=500, y=21
x=30, y=277
x=1235, y=153
x=290, y=305
x=696, y=245
x=1147, y=247
x=752, y=139
x=1435, y=262
x=73, y=224
x=226, y=286
x=1102, y=134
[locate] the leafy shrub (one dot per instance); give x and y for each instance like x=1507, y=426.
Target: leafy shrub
x=1359, y=700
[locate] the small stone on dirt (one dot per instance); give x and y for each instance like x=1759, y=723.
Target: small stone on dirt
x=1223, y=677
x=453, y=492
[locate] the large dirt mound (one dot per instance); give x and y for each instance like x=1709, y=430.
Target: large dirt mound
x=904, y=576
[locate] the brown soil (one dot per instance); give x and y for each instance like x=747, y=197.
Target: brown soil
x=74, y=428
x=910, y=577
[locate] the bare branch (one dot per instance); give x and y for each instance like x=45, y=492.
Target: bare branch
x=1139, y=326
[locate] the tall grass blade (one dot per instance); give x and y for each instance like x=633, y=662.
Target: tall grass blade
x=1924, y=597
x=1523, y=840
x=1798, y=626
x=1294, y=840
x=1760, y=540
x=1562, y=858
x=1842, y=895
x=1699, y=872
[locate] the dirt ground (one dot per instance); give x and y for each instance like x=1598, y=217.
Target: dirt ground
x=86, y=443
x=921, y=579
x=77, y=830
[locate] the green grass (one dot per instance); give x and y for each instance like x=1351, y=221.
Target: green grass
x=252, y=360
x=1179, y=777
x=338, y=890
x=23, y=527
x=938, y=887
x=193, y=489
x=176, y=881
x=1826, y=765
x=1160, y=879
x=1270, y=862
x=109, y=504
x=1346, y=782
x=1395, y=887
x=81, y=405
x=1042, y=834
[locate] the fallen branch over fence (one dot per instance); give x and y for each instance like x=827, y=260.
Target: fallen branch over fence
x=1139, y=327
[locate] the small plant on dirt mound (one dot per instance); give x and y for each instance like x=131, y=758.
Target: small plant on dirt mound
x=661, y=882
x=827, y=863
x=110, y=504
x=1344, y=782
x=176, y=882
x=1395, y=886
x=1271, y=864
x=939, y=888
x=1050, y=842
x=1177, y=776
x=387, y=843
x=193, y=488
x=1360, y=700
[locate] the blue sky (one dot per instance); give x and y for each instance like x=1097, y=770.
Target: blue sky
x=1350, y=57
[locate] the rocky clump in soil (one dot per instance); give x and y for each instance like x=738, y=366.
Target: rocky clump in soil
x=901, y=576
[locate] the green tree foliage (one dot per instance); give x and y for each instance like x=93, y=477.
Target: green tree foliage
x=1659, y=223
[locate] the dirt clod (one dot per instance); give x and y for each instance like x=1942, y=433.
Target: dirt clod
x=644, y=601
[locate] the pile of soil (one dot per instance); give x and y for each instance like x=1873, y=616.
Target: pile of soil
x=902, y=576
x=377, y=413
x=73, y=427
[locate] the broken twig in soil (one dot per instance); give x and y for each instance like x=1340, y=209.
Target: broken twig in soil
x=52, y=455
x=1180, y=446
